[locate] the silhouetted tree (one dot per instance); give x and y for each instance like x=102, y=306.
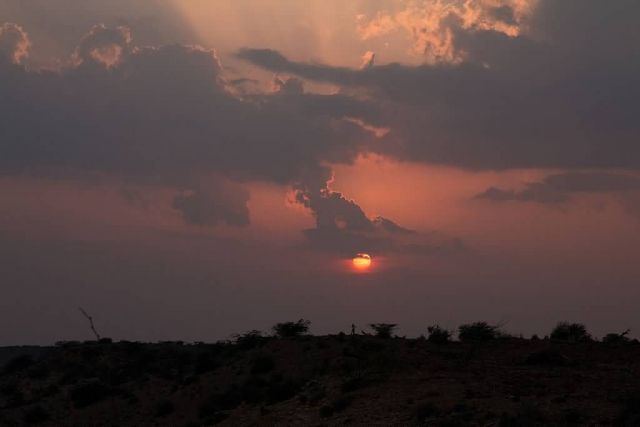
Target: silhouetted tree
x=292, y=329
x=614, y=338
x=574, y=332
x=478, y=331
x=437, y=335
x=249, y=339
x=383, y=330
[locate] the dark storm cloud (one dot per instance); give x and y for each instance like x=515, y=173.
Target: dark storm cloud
x=215, y=203
x=166, y=115
x=561, y=94
x=342, y=226
x=55, y=27
x=559, y=188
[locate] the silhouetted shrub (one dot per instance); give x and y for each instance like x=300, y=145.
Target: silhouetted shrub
x=338, y=404
x=163, y=408
x=292, y=329
x=229, y=399
x=547, y=358
x=67, y=344
x=17, y=364
x=573, y=416
x=13, y=395
x=528, y=415
x=249, y=340
x=629, y=415
x=614, y=338
x=35, y=415
x=425, y=410
x=351, y=383
x=574, y=332
x=282, y=390
x=478, y=331
x=39, y=371
x=88, y=393
x=437, y=335
x=383, y=330
x=262, y=363
x=205, y=362
x=312, y=393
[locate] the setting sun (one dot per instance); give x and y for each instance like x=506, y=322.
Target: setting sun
x=362, y=261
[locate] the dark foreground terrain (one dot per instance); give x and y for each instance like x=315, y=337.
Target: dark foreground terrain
x=327, y=380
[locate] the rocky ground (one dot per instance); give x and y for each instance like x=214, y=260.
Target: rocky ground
x=323, y=380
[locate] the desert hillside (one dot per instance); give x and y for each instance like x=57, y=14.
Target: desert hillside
x=323, y=380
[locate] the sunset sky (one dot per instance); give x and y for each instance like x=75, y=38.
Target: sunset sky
x=193, y=169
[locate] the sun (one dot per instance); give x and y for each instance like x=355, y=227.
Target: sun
x=362, y=261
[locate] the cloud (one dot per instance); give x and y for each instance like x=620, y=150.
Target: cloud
x=14, y=43
x=343, y=227
x=107, y=46
x=559, y=93
x=166, y=115
x=432, y=24
x=559, y=188
x=220, y=201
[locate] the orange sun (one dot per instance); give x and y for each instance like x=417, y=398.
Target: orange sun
x=362, y=261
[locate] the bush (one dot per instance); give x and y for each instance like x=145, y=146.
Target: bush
x=528, y=415
x=629, y=414
x=614, y=338
x=164, y=407
x=292, y=329
x=280, y=390
x=573, y=332
x=383, y=330
x=13, y=395
x=338, y=404
x=437, y=335
x=478, y=331
x=262, y=363
x=35, y=415
x=88, y=393
x=547, y=358
x=17, y=364
x=224, y=401
x=426, y=410
x=249, y=340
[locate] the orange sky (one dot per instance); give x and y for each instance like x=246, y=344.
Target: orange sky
x=115, y=239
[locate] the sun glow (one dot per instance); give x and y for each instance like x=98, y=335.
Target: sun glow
x=362, y=261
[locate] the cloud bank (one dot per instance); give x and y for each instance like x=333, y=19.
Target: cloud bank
x=166, y=115
x=559, y=93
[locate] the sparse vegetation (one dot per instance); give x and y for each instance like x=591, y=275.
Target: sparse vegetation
x=262, y=363
x=426, y=410
x=35, y=415
x=383, y=330
x=18, y=363
x=88, y=393
x=338, y=404
x=292, y=329
x=614, y=338
x=164, y=407
x=438, y=335
x=478, y=332
x=346, y=378
x=572, y=332
x=250, y=339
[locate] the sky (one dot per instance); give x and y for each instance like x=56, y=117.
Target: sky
x=192, y=170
